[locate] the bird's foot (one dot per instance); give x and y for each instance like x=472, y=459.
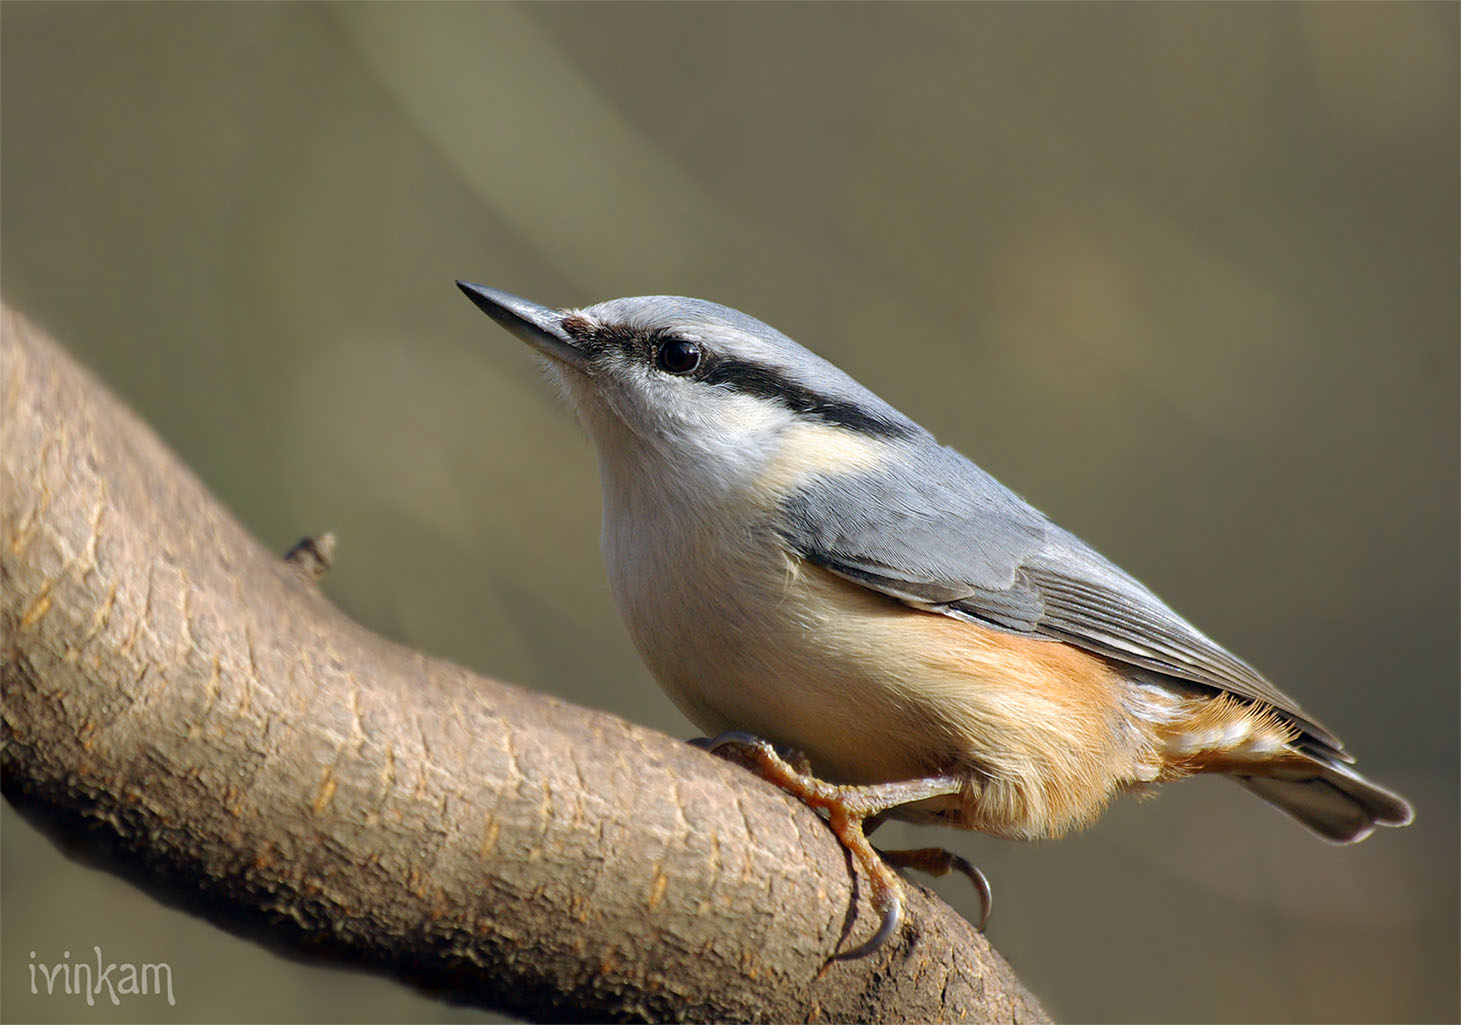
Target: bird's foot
x=936, y=861
x=847, y=809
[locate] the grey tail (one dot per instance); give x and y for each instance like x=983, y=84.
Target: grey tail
x=1330, y=798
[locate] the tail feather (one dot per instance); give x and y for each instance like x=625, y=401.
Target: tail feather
x=1330, y=798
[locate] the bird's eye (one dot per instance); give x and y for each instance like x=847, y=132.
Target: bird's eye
x=677, y=356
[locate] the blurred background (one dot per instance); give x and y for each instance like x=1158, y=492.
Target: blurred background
x=1186, y=277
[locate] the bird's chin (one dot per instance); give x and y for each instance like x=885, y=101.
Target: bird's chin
x=575, y=387
x=568, y=381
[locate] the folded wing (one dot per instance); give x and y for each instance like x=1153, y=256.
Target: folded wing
x=947, y=537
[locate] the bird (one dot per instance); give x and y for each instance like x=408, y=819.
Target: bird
x=873, y=623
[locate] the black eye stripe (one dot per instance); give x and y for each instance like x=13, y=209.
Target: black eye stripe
x=596, y=339
x=734, y=375
x=764, y=382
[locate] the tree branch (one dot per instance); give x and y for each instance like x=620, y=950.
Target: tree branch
x=194, y=713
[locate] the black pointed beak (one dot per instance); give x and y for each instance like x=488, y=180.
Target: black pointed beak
x=539, y=326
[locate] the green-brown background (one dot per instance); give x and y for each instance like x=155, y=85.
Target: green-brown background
x=1184, y=276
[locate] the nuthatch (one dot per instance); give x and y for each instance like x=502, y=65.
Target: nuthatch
x=799, y=562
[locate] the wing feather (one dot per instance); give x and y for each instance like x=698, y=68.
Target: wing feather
x=947, y=537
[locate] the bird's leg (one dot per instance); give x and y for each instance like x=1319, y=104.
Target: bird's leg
x=847, y=808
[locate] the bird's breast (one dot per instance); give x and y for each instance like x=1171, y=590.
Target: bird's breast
x=739, y=631
x=736, y=633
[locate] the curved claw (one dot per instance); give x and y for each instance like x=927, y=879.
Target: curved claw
x=981, y=886
x=740, y=737
x=938, y=862
x=892, y=919
x=737, y=738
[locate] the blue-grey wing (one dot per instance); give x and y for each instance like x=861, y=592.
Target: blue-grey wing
x=947, y=537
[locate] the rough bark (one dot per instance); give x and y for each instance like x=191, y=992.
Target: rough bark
x=190, y=710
